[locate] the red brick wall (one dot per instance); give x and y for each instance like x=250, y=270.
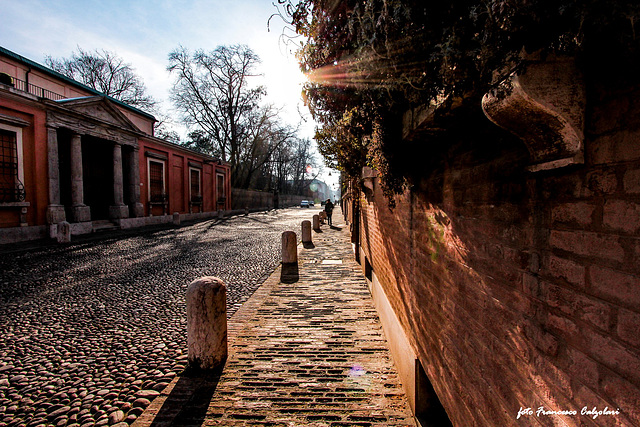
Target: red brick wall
x=519, y=289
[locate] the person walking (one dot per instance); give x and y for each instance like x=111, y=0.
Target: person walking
x=328, y=208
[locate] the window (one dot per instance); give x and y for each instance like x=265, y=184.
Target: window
x=220, y=187
x=156, y=181
x=11, y=173
x=196, y=194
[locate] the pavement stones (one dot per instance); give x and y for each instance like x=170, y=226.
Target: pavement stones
x=98, y=325
x=308, y=353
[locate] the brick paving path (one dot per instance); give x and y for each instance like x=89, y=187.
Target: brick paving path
x=309, y=353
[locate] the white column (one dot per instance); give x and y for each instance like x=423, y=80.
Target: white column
x=118, y=190
x=119, y=210
x=55, y=211
x=137, y=210
x=80, y=211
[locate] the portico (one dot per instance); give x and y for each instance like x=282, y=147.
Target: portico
x=93, y=162
x=76, y=161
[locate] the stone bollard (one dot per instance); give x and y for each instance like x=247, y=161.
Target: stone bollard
x=306, y=231
x=316, y=222
x=246, y=211
x=207, y=323
x=64, y=232
x=220, y=213
x=176, y=218
x=323, y=216
x=289, y=248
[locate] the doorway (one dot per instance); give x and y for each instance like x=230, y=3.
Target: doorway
x=97, y=170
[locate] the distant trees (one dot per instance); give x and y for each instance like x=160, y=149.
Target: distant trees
x=225, y=114
x=106, y=72
x=213, y=93
x=289, y=166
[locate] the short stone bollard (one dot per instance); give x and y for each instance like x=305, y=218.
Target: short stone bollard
x=246, y=211
x=306, y=231
x=207, y=323
x=289, y=248
x=176, y=218
x=316, y=222
x=323, y=216
x=64, y=232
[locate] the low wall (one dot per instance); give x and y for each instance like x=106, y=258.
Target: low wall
x=22, y=234
x=241, y=199
x=287, y=200
x=262, y=200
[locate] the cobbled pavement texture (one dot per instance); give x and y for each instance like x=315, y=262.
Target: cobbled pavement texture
x=91, y=332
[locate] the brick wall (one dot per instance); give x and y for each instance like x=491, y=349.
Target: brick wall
x=520, y=289
x=262, y=199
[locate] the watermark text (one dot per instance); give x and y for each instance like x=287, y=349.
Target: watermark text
x=541, y=411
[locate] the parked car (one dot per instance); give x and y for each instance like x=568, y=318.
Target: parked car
x=311, y=203
x=304, y=204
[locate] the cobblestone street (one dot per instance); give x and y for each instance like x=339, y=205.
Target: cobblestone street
x=307, y=349
x=91, y=332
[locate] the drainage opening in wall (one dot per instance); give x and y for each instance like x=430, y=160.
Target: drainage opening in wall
x=368, y=270
x=429, y=410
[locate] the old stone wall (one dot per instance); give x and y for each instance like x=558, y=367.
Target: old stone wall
x=241, y=199
x=262, y=199
x=519, y=289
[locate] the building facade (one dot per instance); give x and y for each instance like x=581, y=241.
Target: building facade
x=69, y=153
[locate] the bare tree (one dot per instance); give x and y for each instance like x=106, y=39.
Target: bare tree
x=106, y=72
x=212, y=92
x=303, y=156
x=266, y=136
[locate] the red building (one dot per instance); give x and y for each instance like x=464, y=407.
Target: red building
x=69, y=153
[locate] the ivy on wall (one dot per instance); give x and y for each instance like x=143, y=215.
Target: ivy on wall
x=370, y=61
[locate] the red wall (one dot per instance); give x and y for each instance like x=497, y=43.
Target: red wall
x=520, y=289
x=177, y=177
x=35, y=164
x=34, y=143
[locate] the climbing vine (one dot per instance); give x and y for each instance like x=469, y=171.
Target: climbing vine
x=370, y=61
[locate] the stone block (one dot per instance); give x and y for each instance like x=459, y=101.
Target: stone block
x=207, y=323
x=118, y=211
x=81, y=213
x=544, y=106
x=64, y=232
x=289, y=248
x=55, y=214
x=306, y=232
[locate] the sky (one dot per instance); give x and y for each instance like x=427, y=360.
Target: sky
x=144, y=32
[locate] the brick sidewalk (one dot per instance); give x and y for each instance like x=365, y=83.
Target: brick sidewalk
x=309, y=353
